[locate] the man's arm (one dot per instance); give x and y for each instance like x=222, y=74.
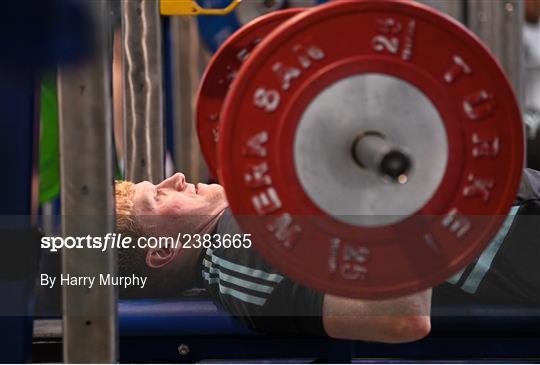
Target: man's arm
x=397, y=320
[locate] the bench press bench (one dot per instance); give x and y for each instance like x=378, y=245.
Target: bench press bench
x=195, y=329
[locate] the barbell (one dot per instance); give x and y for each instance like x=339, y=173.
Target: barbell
x=372, y=148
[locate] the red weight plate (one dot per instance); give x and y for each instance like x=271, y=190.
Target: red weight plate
x=220, y=73
x=408, y=72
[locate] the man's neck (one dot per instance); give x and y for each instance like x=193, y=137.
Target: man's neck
x=190, y=261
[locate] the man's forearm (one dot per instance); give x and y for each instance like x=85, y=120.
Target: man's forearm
x=396, y=320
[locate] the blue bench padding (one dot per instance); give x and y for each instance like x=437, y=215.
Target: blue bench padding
x=173, y=317
x=486, y=320
x=200, y=316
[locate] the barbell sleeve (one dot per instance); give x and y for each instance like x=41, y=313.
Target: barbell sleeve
x=373, y=151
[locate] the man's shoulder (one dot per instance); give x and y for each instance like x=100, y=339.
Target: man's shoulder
x=246, y=260
x=529, y=188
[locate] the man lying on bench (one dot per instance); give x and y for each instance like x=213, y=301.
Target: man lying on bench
x=241, y=281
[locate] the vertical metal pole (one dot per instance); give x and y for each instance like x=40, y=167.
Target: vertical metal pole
x=186, y=55
x=143, y=90
x=499, y=23
x=85, y=121
x=454, y=8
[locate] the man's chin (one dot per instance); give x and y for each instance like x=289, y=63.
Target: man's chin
x=216, y=194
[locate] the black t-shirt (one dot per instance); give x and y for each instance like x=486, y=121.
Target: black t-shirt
x=507, y=272
x=250, y=289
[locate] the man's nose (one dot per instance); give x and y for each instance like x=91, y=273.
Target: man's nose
x=180, y=181
x=176, y=181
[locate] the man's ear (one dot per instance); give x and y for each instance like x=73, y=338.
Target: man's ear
x=159, y=257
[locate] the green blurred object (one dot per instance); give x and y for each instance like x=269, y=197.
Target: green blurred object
x=49, y=165
x=49, y=150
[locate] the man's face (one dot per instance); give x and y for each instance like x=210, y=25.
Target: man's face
x=174, y=206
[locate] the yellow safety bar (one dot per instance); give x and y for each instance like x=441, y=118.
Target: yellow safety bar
x=190, y=7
